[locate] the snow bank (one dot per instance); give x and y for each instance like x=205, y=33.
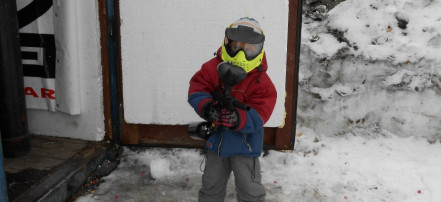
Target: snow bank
x=372, y=65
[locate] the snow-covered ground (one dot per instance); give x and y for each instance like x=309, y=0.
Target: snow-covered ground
x=350, y=167
x=368, y=122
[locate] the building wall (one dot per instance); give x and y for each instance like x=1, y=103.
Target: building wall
x=155, y=80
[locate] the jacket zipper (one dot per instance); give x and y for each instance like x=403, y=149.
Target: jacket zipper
x=246, y=142
x=220, y=143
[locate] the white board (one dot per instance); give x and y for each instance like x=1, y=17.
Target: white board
x=163, y=43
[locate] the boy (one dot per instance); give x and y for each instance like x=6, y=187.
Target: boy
x=237, y=144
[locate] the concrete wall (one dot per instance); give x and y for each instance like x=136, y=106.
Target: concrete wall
x=89, y=125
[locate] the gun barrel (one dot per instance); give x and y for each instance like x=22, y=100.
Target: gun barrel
x=241, y=105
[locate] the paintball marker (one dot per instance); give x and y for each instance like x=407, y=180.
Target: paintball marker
x=230, y=75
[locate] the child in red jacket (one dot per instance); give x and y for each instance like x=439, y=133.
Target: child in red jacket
x=237, y=144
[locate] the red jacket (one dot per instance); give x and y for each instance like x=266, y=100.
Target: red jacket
x=256, y=90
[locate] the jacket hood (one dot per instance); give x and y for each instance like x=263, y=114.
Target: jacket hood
x=263, y=63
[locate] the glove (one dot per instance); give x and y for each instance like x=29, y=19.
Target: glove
x=225, y=118
x=209, y=111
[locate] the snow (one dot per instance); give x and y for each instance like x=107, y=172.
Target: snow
x=381, y=65
x=360, y=168
x=374, y=28
x=159, y=168
x=368, y=117
x=357, y=166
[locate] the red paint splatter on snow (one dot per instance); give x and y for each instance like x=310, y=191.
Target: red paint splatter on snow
x=275, y=181
x=419, y=191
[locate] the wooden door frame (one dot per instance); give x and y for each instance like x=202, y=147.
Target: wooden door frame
x=176, y=135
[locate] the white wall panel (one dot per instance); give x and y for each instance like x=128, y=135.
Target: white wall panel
x=163, y=43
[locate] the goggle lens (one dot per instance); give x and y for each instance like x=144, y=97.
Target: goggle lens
x=251, y=50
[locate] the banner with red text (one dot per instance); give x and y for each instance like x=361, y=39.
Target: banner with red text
x=49, y=54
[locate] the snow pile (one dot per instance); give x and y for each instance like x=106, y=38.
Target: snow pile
x=371, y=63
x=159, y=168
x=399, y=31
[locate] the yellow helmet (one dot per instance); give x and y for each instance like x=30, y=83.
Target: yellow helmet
x=243, y=44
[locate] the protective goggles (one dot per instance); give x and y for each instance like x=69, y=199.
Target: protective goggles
x=243, y=38
x=251, y=50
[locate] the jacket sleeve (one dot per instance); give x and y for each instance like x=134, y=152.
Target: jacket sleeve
x=201, y=85
x=262, y=102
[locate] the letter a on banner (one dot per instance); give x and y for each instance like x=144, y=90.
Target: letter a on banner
x=49, y=55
